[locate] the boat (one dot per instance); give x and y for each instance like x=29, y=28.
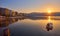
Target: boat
x=49, y=26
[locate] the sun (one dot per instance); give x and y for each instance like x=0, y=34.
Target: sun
x=49, y=11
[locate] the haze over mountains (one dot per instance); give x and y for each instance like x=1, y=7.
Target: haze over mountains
x=46, y=14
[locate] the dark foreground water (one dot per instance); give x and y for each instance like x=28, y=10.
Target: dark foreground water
x=30, y=27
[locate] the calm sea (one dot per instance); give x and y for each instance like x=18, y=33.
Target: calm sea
x=30, y=27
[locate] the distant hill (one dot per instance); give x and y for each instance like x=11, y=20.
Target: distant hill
x=55, y=14
x=44, y=14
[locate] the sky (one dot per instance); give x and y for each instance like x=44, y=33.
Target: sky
x=28, y=6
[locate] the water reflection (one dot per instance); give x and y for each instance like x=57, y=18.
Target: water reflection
x=6, y=32
x=49, y=18
x=29, y=26
x=49, y=25
x=4, y=29
x=7, y=21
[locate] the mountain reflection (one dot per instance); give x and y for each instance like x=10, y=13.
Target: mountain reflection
x=7, y=21
x=6, y=32
x=44, y=18
x=4, y=26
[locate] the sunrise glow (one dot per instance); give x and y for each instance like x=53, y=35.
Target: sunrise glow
x=49, y=11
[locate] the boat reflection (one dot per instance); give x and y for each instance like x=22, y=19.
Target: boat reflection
x=4, y=29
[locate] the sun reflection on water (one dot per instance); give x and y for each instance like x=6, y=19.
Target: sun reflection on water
x=49, y=18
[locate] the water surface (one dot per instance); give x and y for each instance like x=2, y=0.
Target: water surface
x=32, y=27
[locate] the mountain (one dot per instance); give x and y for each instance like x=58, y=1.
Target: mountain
x=7, y=12
x=55, y=14
x=44, y=14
